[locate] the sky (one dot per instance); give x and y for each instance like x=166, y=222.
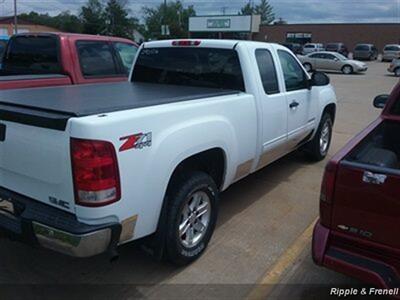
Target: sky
x=293, y=11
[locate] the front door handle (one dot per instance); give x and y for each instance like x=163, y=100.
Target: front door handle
x=294, y=104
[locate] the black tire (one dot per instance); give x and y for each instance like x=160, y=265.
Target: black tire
x=308, y=67
x=347, y=67
x=397, y=72
x=313, y=148
x=178, y=196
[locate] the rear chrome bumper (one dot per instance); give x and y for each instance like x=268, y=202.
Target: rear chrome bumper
x=36, y=223
x=78, y=245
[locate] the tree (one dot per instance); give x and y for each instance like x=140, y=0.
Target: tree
x=117, y=21
x=64, y=21
x=264, y=9
x=173, y=14
x=92, y=16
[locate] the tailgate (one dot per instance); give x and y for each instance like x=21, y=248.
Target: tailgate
x=35, y=162
x=367, y=201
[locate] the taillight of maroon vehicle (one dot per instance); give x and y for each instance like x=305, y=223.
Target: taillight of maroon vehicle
x=327, y=193
x=95, y=172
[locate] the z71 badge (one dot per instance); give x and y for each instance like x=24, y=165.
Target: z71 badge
x=136, y=141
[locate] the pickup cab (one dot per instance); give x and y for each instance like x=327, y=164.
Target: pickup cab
x=53, y=59
x=86, y=168
x=359, y=227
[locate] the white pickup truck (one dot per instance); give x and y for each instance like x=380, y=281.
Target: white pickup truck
x=86, y=168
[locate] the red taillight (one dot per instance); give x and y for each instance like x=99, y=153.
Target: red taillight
x=327, y=193
x=95, y=172
x=186, y=43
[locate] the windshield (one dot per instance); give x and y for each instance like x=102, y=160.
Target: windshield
x=201, y=67
x=309, y=46
x=332, y=46
x=392, y=48
x=362, y=48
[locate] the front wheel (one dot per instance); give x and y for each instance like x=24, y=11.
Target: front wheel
x=317, y=149
x=347, y=69
x=191, y=217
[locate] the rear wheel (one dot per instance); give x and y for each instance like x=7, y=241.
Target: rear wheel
x=347, y=69
x=397, y=72
x=317, y=149
x=191, y=217
x=308, y=67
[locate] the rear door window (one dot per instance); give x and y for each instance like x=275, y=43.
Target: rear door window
x=127, y=53
x=97, y=59
x=267, y=71
x=28, y=55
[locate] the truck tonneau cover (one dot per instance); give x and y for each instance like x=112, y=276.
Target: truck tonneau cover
x=52, y=107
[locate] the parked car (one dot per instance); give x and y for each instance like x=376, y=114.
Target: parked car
x=332, y=61
x=337, y=47
x=365, y=51
x=311, y=47
x=358, y=230
x=99, y=165
x=296, y=48
x=391, y=52
x=50, y=59
x=394, y=67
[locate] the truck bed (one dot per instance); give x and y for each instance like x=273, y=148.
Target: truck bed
x=52, y=107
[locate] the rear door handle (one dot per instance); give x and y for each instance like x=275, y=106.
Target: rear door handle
x=294, y=104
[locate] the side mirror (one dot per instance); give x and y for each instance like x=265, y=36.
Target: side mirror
x=336, y=59
x=319, y=79
x=380, y=101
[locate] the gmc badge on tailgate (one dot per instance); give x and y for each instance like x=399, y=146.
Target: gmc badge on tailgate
x=2, y=132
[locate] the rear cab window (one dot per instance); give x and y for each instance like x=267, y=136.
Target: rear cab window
x=200, y=67
x=30, y=55
x=97, y=59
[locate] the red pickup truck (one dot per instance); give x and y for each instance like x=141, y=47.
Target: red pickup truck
x=50, y=59
x=358, y=233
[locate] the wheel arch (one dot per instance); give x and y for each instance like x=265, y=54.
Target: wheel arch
x=331, y=110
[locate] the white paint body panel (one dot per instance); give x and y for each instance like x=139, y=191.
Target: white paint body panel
x=36, y=162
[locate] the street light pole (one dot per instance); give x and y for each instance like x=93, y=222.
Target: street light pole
x=15, y=17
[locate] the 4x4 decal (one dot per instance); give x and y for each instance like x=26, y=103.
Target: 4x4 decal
x=136, y=141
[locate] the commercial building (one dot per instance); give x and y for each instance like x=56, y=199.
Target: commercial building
x=7, y=27
x=350, y=34
x=224, y=27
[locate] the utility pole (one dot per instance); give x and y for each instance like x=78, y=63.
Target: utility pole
x=15, y=17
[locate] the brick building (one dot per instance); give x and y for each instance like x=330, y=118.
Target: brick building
x=350, y=34
x=7, y=27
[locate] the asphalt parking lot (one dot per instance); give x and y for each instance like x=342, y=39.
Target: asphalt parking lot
x=262, y=234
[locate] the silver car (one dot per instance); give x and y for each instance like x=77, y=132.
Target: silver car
x=332, y=61
x=391, y=52
x=312, y=47
x=395, y=67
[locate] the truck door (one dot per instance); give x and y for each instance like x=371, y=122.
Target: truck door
x=298, y=97
x=274, y=109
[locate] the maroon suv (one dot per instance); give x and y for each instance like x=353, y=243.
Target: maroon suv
x=358, y=233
